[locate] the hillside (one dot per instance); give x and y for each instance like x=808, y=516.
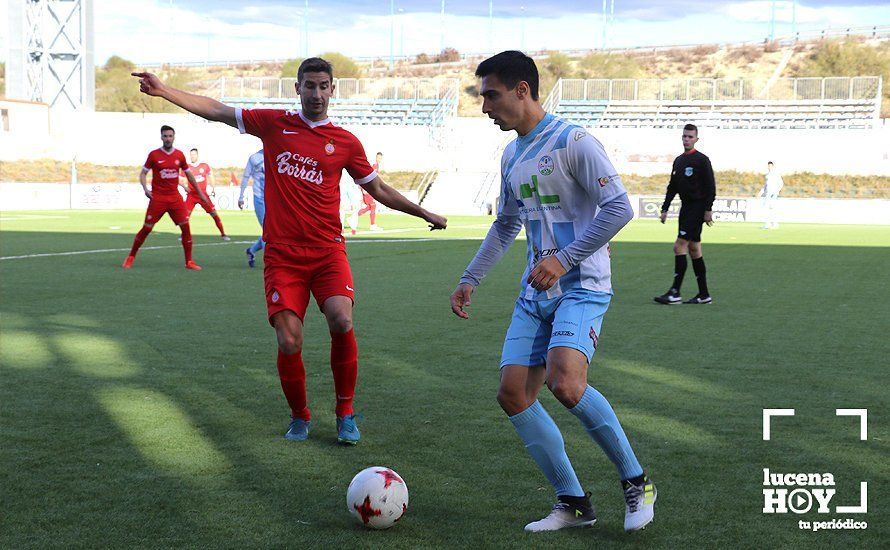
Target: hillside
x=853, y=57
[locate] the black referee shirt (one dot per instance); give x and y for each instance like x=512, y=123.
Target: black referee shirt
x=693, y=179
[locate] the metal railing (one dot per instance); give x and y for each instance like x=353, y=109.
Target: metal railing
x=344, y=88
x=864, y=88
x=425, y=183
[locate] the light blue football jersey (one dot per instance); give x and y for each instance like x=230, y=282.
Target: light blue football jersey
x=255, y=169
x=554, y=179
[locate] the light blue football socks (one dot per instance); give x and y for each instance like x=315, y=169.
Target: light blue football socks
x=544, y=442
x=257, y=246
x=598, y=418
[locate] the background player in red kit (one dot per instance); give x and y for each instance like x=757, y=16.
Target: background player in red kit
x=203, y=175
x=304, y=154
x=164, y=198
x=370, y=206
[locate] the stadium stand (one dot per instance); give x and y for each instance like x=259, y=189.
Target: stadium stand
x=356, y=101
x=785, y=103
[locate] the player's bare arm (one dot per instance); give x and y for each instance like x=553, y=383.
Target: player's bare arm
x=709, y=218
x=388, y=196
x=211, y=184
x=144, y=183
x=193, y=183
x=460, y=299
x=202, y=106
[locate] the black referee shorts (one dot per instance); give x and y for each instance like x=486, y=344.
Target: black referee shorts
x=692, y=217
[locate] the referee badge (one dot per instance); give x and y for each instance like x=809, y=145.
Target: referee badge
x=688, y=171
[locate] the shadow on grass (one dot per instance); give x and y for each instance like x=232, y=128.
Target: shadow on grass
x=143, y=408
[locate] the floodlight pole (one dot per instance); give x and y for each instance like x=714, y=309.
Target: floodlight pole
x=490, y=26
x=603, y=44
x=522, y=28
x=772, y=20
x=442, y=26
x=401, y=32
x=50, y=53
x=306, y=29
x=392, y=32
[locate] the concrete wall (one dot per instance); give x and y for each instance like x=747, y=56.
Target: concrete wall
x=105, y=196
x=126, y=138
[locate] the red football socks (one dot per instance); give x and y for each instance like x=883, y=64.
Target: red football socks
x=186, y=241
x=293, y=383
x=139, y=239
x=344, y=365
x=219, y=226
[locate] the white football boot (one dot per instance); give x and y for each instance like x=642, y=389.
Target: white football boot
x=640, y=504
x=564, y=516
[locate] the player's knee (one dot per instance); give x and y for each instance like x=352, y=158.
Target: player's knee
x=340, y=324
x=512, y=401
x=148, y=226
x=680, y=248
x=290, y=344
x=566, y=391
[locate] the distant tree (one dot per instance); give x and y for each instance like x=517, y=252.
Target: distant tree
x=3, y=79
x=289, y=69
x=559, y=65
x=448, y=55
x=848, y=58
x=422, y=59
x=597, y=65
x=344, y=67
x=117, y=91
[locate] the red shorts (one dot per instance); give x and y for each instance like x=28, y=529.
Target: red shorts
x=191, y=201
x=369, y=201
x=292, y=272
x=158, y=206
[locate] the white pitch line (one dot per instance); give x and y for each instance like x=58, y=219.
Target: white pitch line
x=29, y=217
x=104, y=250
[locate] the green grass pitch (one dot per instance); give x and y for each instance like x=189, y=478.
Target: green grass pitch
x=142, y=408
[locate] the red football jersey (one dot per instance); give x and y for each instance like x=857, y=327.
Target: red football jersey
x=165, y=169
x=304, y=160
x=201, y=172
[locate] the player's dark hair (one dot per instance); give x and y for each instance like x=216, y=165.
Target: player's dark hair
x=692, y=127
x=164, y=128
x=195, y=149
x=770, y=162
x=511, y=67
x=379, y=153
x=315, y=65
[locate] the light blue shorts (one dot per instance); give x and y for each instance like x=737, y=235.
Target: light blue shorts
x=572, y=320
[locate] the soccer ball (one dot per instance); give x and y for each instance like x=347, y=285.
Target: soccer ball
x=377, y=497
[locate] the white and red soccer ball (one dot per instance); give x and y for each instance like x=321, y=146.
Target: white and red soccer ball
x=377, y=497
